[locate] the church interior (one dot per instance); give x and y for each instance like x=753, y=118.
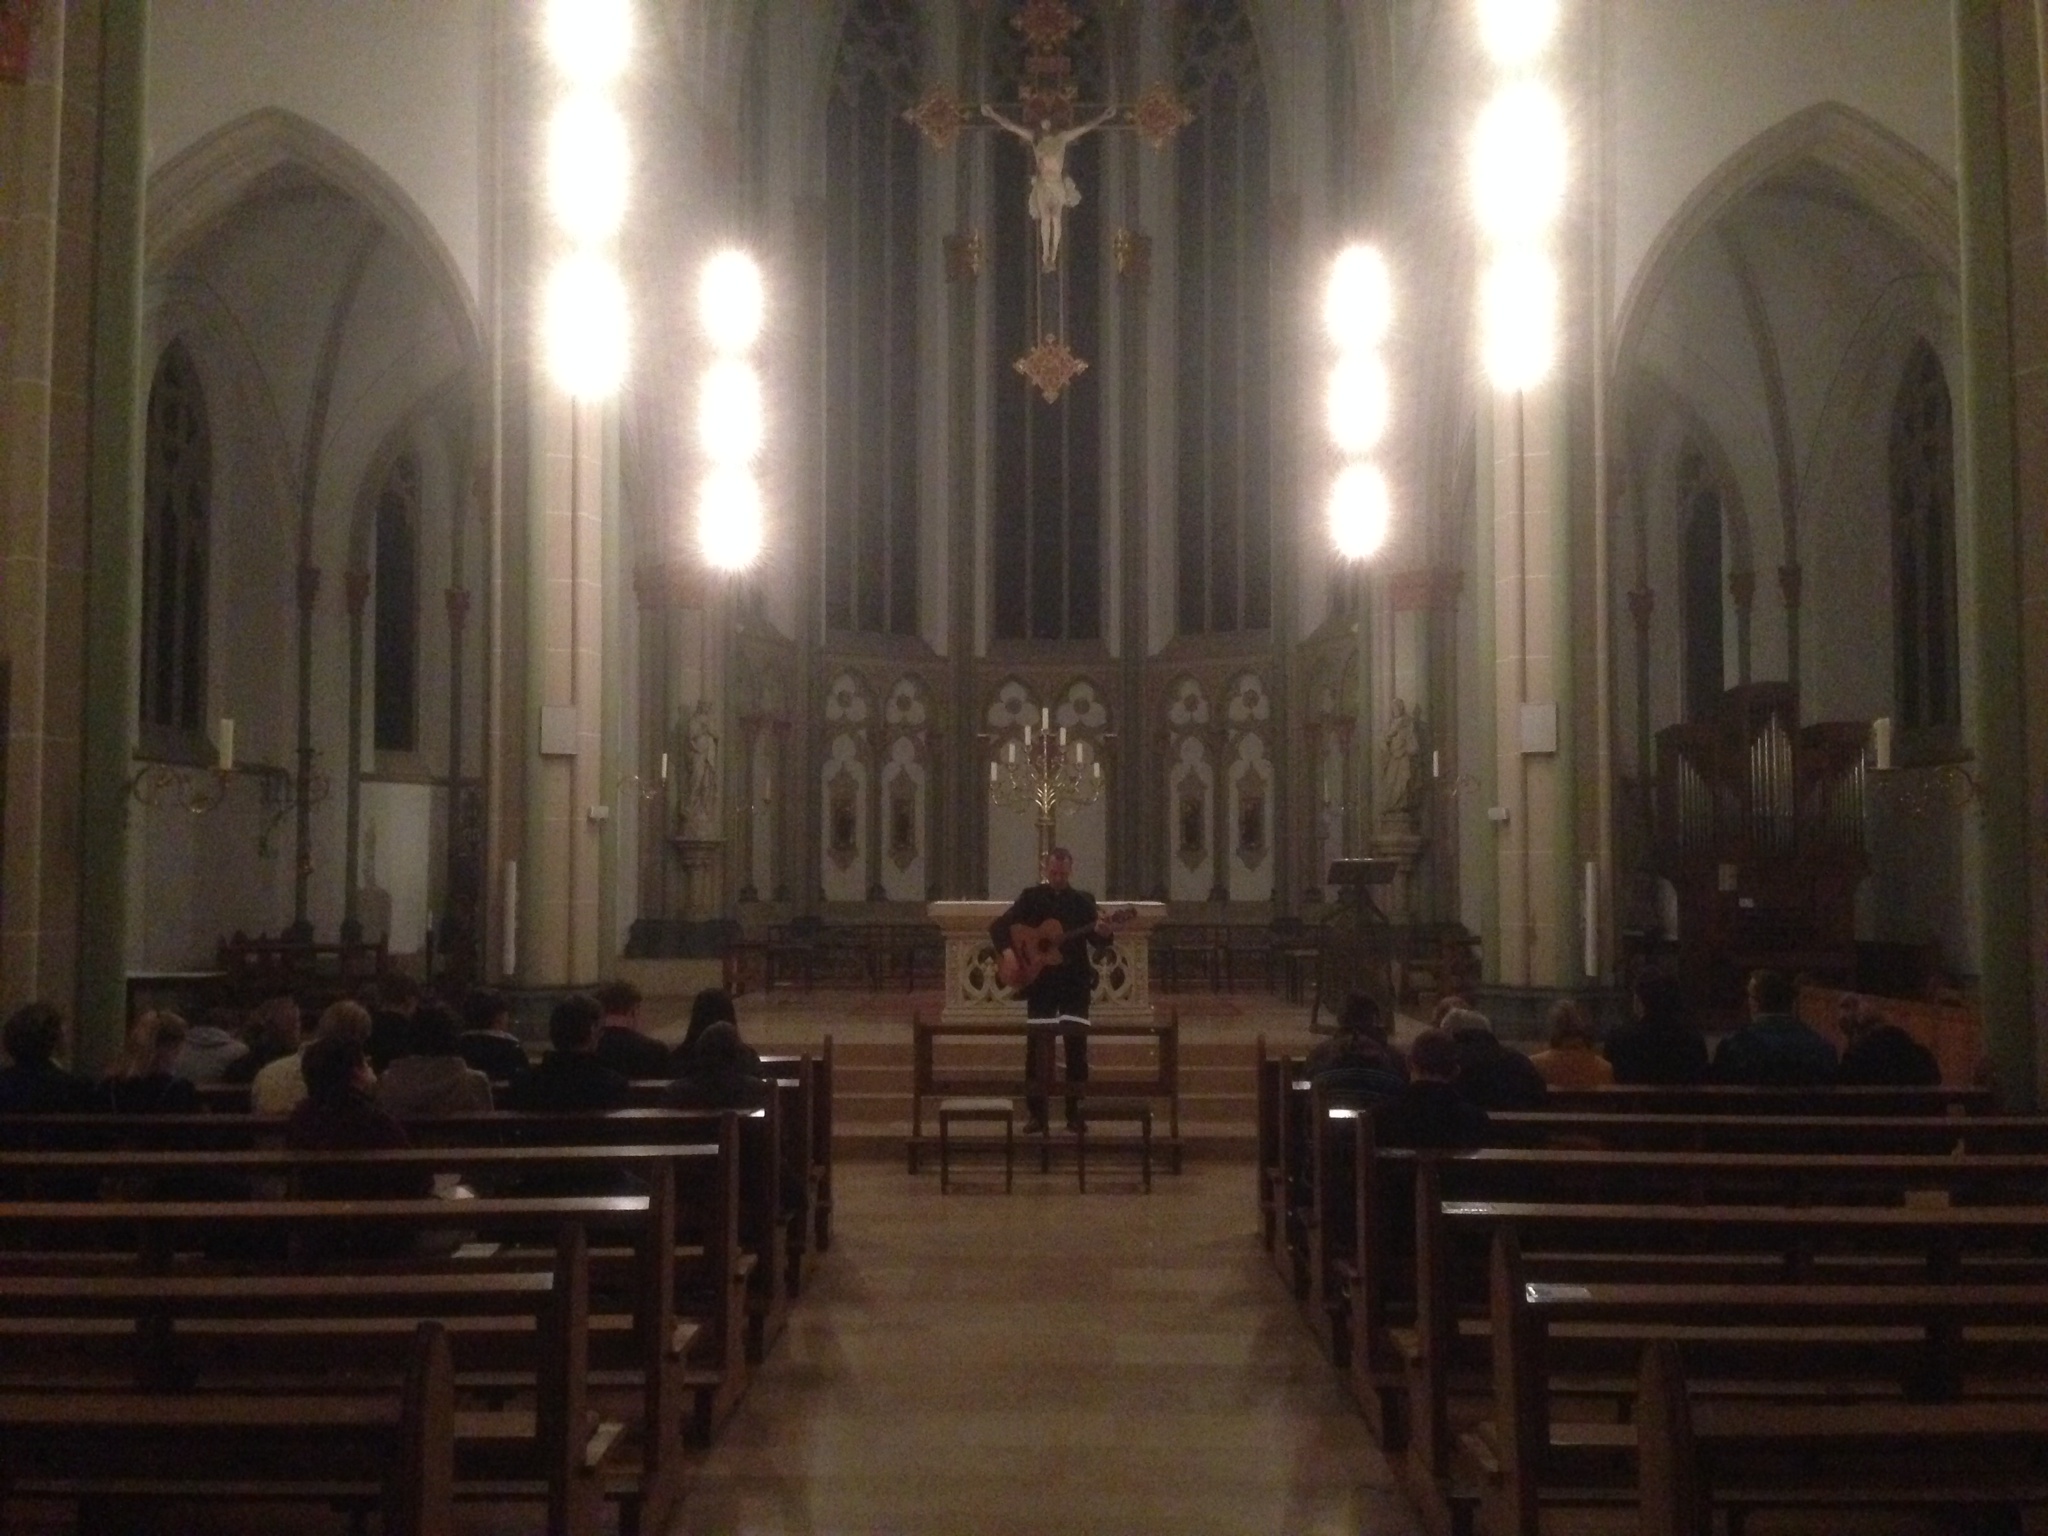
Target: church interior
x=1445, y=499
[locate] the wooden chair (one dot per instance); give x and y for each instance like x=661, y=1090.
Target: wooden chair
x=987, y=1111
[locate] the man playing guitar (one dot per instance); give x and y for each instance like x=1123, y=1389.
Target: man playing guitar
x=1059, y=992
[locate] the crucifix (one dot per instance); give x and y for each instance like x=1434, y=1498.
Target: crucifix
x=1048, y=126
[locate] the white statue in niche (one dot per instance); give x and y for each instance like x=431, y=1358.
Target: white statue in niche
x=1401, y=763
x=1052, y=190
x=700, y=775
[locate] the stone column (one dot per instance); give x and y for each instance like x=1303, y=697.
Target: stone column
x=1530, y=601
x=654, y=591
x=2002, y=496
x=966, y=817
x=1791, y=584
x=560, y=899
x=1134, y=768
x=1421, y=672
x=356, y=591
x=80, y=410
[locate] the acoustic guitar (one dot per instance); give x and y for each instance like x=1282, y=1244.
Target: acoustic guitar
x=1035, y=946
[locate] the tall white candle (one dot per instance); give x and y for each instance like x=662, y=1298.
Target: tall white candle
x=227, y=744
x=511, y=916
x=991, y=773
x=1881, y=741
x=1044, y=719
x=664, y=767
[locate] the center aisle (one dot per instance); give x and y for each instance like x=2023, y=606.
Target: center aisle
x=1045, y=1361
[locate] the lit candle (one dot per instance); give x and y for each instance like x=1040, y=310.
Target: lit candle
x=1881, y=741
x=1011, y=748
x=664, y=767
x=992, y=771
x=1063, y=738
x=1436, y=765
x=1044, y=719
x=1027, y=734
x=1095, y=768
x=227, y=744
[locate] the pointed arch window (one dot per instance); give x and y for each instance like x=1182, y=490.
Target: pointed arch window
x=871, y=262
x=1224, y=259
x=1701, y=611
x=177, y=493
x=396, y=616
x=1923, y=490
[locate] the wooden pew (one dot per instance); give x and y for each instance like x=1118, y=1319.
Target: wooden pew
x=754, y=1260
x=1675, y=1244
x=392, y=1452
x=1693, y=1458
x=553, y=1453
x=1814, y=1363
x=640, y=1347
x=1731, y=1099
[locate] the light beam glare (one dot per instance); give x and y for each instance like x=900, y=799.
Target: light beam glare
x=587, y=167
x=1360, y=402
x=1515, y=32
x=1358, y=306
x=585, y=323
x=1518, y=319
x=732, y=301
x=729, y=520
x=1361, y=511
x=589, y=40
x=731, y=420
x=1519, y=164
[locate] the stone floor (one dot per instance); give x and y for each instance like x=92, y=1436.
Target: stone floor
x=1045, y=1361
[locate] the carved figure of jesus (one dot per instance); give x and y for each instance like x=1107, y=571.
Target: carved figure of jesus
x=1052, y=190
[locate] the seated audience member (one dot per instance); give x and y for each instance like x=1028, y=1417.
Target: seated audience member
x=620, y=1043
x=711, y=1006
x=1658, y=1046
x=1490, y=1074
x=338, y=1115
x=278, y=1088
x=392, y=999
x=431, y=1078
x=211, y=1047
x=1431, y=1112
x=1574, y=1059
x=144, y=1083
x=1879, y=1054
x=570, y=1077
x=32, y=1083
x=719, y=1076
x=273, y=1033
x=1359, y=1057
x=1774, y=1050
x=487, y=1042
x=1445, y=1005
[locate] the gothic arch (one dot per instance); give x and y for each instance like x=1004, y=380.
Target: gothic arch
x=209, y=178
x=1898, y=184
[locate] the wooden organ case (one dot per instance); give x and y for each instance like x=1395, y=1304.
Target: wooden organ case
x=1759, y=827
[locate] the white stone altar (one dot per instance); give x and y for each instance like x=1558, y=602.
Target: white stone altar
x=1123, y=983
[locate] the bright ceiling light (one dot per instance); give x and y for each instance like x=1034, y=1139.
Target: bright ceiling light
x=1518, y=319
x=731, y=422
x=1358, y=306
x=1514, y=32
x=1518, y=164
x=1359, y=404
x=1361, y=511
x=729, y=522
x=589, y=40
x=587, y=167
x=584, y=324
x=732, y=301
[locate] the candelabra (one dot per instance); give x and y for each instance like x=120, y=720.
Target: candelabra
x=198, y=790
x=1040, y=772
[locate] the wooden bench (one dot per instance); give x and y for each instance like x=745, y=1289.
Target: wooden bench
x=687, y=1298
x=391, y=1452
x=1818, y=1364
x=1652, y=1244
x=1694, y=1457
x=553, y=1452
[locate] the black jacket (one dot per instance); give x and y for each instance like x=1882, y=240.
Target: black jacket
x=570, y=1081
x=1888, y=1057
x=1062, y=989
x=1662, y=1055
x=1430, y=1114
x=631, y=1054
